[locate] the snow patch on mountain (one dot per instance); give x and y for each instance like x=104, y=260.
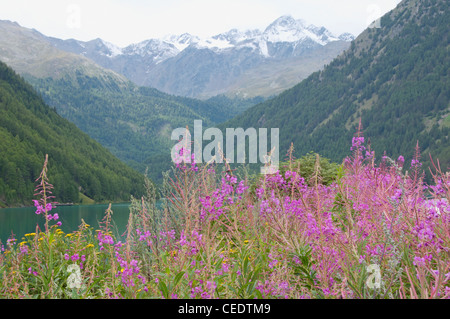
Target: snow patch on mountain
x=285, y=31
x=113, y=49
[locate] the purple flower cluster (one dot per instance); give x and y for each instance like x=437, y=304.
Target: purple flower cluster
x=76, y=257
x=23, y=249
x=40, y=208
x=48, y=207
x=192, y=244
x=216, y=205
x=205, y=290
x=144, y=236
x=183, y=156
x=129, y=270
x=104, y=239
x=357, y=143
x=273, y=289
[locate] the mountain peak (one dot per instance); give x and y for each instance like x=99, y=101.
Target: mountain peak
x=288, y=29
x=285, y=22
x=346, y=37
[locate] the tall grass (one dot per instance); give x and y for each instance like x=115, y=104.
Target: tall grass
x=217, y=236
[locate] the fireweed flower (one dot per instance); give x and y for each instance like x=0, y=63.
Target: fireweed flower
x=415, y=163
x=30, y=271
x=39, y=208
x=24, y=249
x=357, y=143
x=104, y=239
x=260, y=192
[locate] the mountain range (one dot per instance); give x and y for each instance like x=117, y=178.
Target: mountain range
x=134, y=123
x=229, y=63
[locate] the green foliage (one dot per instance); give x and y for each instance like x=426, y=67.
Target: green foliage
x=235, y=106
x=303, y=266
x=307, y=165
x=29, y=129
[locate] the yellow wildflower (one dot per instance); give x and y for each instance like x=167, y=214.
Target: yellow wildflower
x=30, y=234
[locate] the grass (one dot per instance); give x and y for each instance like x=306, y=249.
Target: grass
x=84, y=200
x=217, y=236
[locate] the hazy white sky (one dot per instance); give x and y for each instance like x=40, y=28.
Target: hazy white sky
x=123, y=22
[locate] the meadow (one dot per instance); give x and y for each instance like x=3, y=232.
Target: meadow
x=374, y=231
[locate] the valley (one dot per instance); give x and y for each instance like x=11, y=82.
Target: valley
x=118, y=171
x=291, y=75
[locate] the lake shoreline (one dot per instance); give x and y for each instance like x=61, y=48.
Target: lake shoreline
x=23, y=220
x=65, y=205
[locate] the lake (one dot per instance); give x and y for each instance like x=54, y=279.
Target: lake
x=23, y=220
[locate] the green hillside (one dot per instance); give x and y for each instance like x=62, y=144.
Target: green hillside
x=396, y=78
x=78, y=166
x=134, y=123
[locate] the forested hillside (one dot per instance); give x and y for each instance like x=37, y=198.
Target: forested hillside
x=29, y=129
x=134, y=123
x=395, y=78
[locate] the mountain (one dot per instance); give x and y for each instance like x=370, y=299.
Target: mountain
x=395, y=78
x=188, y=65
x=28, y=51
x=78, y=166
x=134, y=123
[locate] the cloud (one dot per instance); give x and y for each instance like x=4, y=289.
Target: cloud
x=129, y=21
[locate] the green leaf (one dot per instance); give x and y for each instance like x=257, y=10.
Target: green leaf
x=177, y=279
x=163, y=289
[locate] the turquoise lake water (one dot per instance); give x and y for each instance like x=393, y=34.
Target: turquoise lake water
x=21, y=221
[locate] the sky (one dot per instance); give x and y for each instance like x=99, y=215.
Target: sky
x=123, y=22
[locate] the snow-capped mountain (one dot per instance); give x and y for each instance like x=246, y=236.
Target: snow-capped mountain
x=192, y=66
x=283, y=30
